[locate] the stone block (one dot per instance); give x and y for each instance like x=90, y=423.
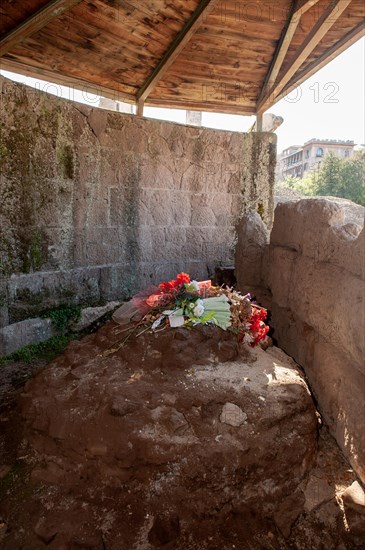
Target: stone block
x=293, y=224
x=90, y=315
x=329, y=299
x=252, y=240
x=339, y=386
x=104, y=245
x=203, y=216
x=181, y=209
x=316, y=276
x=154, y=175
x=4, y=316
x=353, y=500
x=120, y=281
x=18, y=335
x=35, y=293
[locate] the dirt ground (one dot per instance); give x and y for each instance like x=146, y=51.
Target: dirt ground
x=30, y=501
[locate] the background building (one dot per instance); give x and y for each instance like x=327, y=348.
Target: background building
x=112, y=105
x=296, y=160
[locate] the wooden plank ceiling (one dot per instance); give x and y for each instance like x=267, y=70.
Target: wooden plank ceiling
x=233, y=56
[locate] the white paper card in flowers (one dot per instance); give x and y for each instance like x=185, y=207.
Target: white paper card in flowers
x=176, y=321
x=158, y=322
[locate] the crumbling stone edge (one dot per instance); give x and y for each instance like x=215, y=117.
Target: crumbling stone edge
x=16, y=336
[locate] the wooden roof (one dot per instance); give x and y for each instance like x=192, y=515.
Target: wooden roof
x=233, y=56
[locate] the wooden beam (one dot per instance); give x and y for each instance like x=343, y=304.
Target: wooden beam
x=324, y=23
x=34, y=23
x=259, y=122
x=179, y=43
x=72, y=82
x=301, y=6
x=340, y=46
x=297, y=10
x=140, y=107
x=215, y=107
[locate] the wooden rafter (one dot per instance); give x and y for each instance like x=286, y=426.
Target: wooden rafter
x=181, y=40
x=324, y=23
x=330, y=54
x=297, y=10
x=34, y=23
x=215, y=78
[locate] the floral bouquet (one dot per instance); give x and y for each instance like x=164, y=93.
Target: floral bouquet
x=185, y=302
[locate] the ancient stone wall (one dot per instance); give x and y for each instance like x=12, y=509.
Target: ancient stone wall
x=96, y=205
x=314, y=270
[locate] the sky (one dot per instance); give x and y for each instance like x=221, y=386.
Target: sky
x=329, y=105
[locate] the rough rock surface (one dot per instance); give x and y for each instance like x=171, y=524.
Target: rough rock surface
x=353, y=213
x=317, y=282
x=285, y=194
x=178, y=440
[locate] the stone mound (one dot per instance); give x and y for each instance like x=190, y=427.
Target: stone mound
x=178, y=440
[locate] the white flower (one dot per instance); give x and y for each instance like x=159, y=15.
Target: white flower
x=195, y=285
x=199, y=310
x=192, y=305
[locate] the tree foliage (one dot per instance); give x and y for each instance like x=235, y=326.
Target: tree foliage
x=337, y=177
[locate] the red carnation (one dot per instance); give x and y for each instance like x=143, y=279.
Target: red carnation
x=183, y=278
